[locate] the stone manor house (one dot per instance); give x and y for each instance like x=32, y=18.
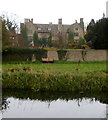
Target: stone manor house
x=44, y=30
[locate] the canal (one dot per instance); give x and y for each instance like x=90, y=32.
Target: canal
x=28, y=104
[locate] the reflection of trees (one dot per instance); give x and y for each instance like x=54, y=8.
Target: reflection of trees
x=50, y=96
x=5, y=103
x=79, y=100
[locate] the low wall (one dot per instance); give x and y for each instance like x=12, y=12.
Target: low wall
x=68, y=55
x=81, y=55
x=52, y=54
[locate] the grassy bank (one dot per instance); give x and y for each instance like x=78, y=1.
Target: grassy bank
x=56, y=77
x=58, y=66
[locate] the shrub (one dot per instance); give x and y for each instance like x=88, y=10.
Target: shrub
x=22, y=54
x=61, y=54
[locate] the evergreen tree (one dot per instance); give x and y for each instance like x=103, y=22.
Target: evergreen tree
x=24, y=35
x=5, y=36
x=60, y=40
x=70, y=36
x=35, y=39
x=97, y=33
x=90, y=31
x=50, y=40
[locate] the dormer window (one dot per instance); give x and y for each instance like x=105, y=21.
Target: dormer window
x=76, y=34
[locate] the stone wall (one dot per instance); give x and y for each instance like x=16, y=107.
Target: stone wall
x=73, y=55
x=52, y=54
x=81, y=55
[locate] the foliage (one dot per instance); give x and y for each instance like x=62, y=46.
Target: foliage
x=98, y=33
x=81, y=41
x=22, y=54
x=35, y=39
x=61, y=54
x=10, y=21
x=70, y=36
x=51, y=96
x=43, y=42
x=90, y=31
x=5, y=36
x=50, y=40
x=50, y=48
x=24, y=35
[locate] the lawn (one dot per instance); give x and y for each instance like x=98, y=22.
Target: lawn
x=59, y=67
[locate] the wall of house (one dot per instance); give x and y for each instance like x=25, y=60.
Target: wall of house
x=54, y=29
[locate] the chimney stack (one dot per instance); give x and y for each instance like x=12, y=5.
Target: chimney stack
x=82, y=23
x=32, y=20
x=60, y=24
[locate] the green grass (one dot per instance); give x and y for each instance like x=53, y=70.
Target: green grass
x=58, y=67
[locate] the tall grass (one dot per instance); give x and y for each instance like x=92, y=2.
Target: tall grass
x=47, y=81
x=56, y=77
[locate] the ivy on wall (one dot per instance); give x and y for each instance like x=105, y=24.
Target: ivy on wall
x=61, y=54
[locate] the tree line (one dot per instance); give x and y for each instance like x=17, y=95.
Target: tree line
x=97, y=34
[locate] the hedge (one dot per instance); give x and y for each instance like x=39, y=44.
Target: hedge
x=23, y=54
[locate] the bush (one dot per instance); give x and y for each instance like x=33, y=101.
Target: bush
x=23, y=54
x=61, y=54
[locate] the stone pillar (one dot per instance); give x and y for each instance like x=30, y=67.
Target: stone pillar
x=33, y=58
x=82, y=23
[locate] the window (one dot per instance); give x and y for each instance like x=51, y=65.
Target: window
x=39, y=28
x=29, y=31
x=49, y=29
x=76, y=29
x=76, y=34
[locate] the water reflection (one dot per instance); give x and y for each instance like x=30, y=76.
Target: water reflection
x=67, y=105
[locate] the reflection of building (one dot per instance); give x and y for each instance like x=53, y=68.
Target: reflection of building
x=107, y=9
x=44, y=30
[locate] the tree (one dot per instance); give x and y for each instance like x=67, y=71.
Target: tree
x=90, y=31
x=5, y=35
x=44, y=42
x=10, y=21
x=60, y=40
x=24, y=35
x=50, y=40
x=98, y=34
x=70, y=36
x=35, y=39
x=81, y=41
x=9, y=27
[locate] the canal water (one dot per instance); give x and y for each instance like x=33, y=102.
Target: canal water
x=27, y=104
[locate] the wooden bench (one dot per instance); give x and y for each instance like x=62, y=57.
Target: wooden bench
x=47, y=60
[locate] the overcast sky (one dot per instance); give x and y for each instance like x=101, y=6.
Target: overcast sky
x=45, y=11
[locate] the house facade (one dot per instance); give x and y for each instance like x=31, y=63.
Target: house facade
x=44, y=30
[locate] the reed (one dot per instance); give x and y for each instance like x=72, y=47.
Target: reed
x=55, y=81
